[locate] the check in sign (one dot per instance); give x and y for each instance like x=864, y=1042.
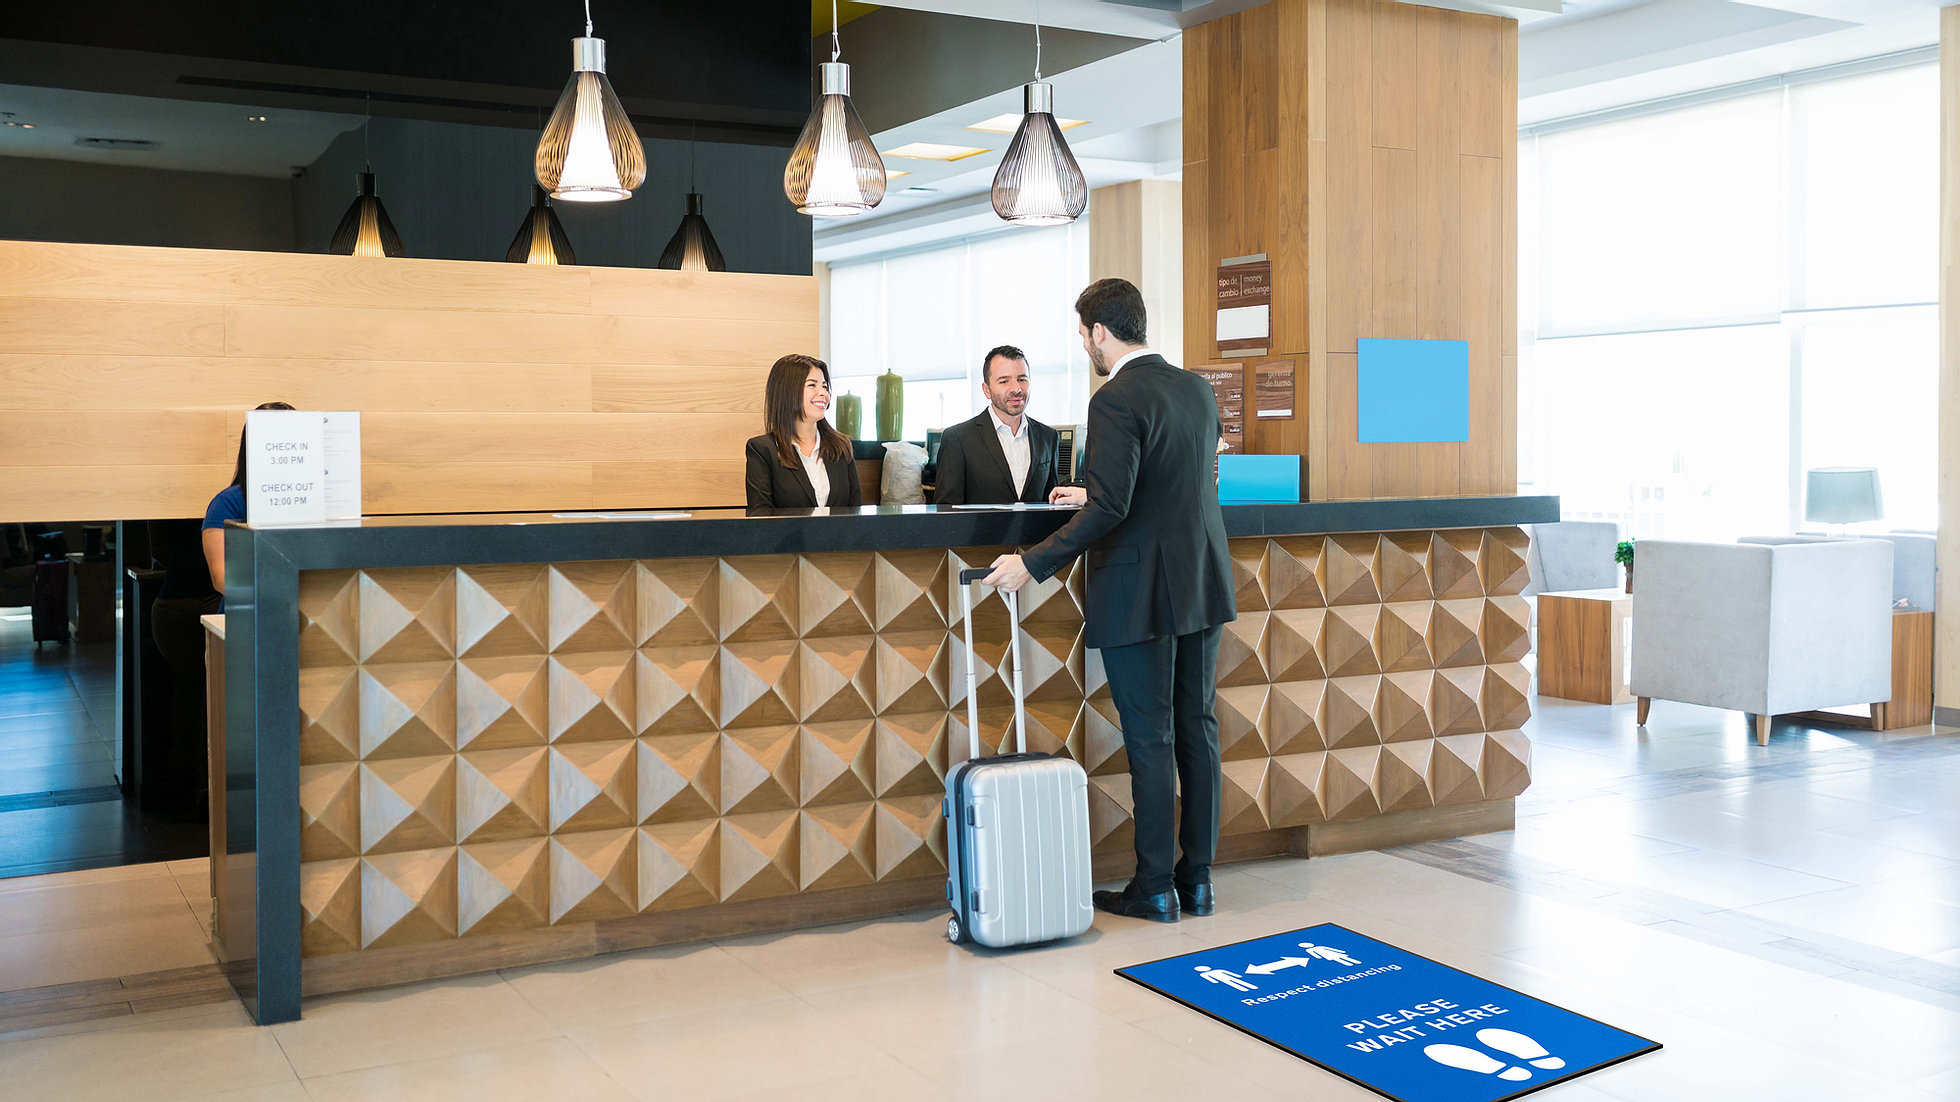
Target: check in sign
x=1399, y=1024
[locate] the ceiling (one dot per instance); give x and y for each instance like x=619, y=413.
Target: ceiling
x=1577, y=57
x=744, y=68
x=185, y=135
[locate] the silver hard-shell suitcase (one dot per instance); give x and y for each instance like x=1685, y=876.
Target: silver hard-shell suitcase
x=1017, y=825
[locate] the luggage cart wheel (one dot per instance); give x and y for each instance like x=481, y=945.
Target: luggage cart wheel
x=953, y=932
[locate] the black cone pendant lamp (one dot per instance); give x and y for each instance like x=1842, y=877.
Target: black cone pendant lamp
x=1038, y=182
x=541, y=239
x=589, y=152
x=834, y=171
x=692, y=248
x=366, y=230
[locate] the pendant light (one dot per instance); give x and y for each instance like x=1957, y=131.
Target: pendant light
x=366, y=230
x=1038, y=182
x=692, y=248
x=589, y=152
x=834, y=171
x=541, y=239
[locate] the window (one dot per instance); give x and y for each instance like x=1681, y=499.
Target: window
x=1716, y=298
x=930, y=316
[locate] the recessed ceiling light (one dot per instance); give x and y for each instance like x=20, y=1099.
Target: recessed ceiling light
x=21, y=125
x=255, y=118
x=893, y=174
x=1008, y=124
x=929, y=151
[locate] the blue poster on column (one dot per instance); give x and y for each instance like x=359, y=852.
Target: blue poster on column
x=1399, y=1024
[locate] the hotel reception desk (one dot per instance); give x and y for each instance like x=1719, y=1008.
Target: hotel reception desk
x=459, y=743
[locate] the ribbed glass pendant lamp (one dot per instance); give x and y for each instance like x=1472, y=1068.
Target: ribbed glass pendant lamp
x=589, y=152
x=1038, y=182
x=692, y=248
x=541, y=239
x=834, y=171
x=366, y=230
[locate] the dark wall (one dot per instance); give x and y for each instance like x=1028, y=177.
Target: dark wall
x=49, y=200
x=458, y=192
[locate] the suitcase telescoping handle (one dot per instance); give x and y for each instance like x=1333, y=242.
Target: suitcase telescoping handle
x=967, y=578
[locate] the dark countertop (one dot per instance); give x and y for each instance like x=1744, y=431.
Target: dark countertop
x=640, y=534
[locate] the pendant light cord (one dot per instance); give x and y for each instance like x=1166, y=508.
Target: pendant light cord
x=1037, y=41
x=588, y=18
x=836, y=50
x=367, y=141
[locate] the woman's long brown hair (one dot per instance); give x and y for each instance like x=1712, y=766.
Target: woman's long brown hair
x=782, y=407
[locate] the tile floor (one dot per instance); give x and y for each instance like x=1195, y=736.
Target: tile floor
x=1786, y=920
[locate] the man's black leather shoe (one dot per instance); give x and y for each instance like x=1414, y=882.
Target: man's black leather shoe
x=1161, y=907
x=1198, y=900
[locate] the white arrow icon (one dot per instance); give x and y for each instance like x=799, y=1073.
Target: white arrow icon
x=1283, y=962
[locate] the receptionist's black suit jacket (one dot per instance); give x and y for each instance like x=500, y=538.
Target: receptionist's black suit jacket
x=774, y=486
x=973, y=466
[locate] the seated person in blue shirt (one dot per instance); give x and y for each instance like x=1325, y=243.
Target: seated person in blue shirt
x=1002, y=456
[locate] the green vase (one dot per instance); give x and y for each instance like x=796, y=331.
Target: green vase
x=891, y=405
x=850, y=414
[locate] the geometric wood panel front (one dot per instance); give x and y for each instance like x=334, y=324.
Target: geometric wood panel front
x=559, y=743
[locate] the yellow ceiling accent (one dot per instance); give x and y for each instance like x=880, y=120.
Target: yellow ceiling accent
x=846, y=11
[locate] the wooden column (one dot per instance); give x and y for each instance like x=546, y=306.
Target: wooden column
x=1369, y=149
x=1946, y=650
x=1136, y=233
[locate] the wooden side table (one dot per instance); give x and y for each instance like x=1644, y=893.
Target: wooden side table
x=1582, y=652
x=1912, y=673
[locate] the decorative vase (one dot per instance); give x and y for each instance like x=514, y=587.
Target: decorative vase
x=891, y=406
x=850, y=414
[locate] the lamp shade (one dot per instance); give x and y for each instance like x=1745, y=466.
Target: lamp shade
x=589, y=152
x=1842, y=495
x=834, y=171
x=1038, y=182
x=693, y=247
x=365, y=230
x=541, y=239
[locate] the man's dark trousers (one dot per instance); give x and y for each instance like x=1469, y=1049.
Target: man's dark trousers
x=1164, y=691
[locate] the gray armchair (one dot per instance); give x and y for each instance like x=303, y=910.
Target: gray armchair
x=1766, y=629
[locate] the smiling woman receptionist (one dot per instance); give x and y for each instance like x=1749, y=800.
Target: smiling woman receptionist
x=801, y=462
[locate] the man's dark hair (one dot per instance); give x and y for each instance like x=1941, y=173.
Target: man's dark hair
x=987, y=361
x=1117, y=305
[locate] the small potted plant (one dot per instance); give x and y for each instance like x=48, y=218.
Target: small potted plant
x=1623, y=554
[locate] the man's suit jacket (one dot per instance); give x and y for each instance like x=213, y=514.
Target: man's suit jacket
x=973, y=466
x=774, y=486
x=1152, y=527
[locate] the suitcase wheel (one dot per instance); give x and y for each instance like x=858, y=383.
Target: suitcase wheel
x=954, y=932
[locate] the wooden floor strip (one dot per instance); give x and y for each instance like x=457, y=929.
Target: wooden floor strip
x=67, y=1003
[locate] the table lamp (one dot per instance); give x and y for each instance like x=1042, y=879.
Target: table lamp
x=1842, y=495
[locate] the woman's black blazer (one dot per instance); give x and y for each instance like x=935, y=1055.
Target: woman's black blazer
x=774, y=486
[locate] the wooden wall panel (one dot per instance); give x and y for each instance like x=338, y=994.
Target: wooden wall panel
x=1386, y=202
x=51, y=382
x=125, y=374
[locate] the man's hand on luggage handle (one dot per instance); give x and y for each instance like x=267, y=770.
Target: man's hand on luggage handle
x=1009, y=574
x=1068, y=495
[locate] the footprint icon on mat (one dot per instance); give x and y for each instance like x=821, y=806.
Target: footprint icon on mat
x=1505, y=1041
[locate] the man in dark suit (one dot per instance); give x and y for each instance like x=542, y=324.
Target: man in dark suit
x=1002, y=456
x=1160, y=587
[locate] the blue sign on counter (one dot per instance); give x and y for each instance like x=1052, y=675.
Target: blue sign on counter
x=1399, y=1024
